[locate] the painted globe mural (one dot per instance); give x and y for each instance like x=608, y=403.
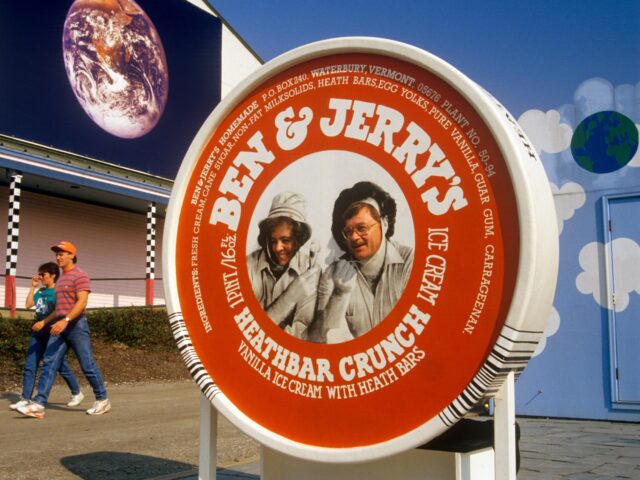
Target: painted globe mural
x=116, y=65
x=604, y=142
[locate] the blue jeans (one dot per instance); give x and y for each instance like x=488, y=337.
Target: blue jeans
x=76, y=336
x=35, y=351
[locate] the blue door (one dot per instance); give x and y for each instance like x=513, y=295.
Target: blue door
x=624, y=272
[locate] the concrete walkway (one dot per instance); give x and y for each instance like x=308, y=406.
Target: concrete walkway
x=578, y=450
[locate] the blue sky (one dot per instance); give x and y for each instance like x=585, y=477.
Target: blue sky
x=528, y=54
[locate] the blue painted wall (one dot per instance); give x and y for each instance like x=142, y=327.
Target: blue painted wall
x=571, y=374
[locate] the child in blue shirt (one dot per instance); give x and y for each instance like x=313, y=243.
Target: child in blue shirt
x=44, y=301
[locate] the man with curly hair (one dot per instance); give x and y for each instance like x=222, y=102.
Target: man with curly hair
x=358, y=290
x=283, y=272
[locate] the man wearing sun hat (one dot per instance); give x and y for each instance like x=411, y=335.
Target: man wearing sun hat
x=69, y=328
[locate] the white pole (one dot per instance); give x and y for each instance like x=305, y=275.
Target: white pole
x=505, y=430
x=208, y=440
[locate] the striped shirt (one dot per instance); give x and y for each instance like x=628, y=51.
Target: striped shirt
x=67, y=288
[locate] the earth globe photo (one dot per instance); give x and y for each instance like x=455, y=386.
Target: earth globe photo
x=116, y=65
x=604, y=142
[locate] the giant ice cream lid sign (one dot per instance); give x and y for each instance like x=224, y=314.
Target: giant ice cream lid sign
x=359, y=247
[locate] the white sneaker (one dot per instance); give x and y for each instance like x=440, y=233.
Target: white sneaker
x=99, y=407
x=20, y=403
x=76, y=400
x=32, y=410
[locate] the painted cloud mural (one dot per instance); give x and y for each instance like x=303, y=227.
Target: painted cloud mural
x=589, y=147
x=626, y=266
x=545, y=130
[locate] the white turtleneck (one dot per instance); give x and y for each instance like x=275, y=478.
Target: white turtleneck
x=372, y=267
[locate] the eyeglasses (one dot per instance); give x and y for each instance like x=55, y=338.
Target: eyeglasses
x=361, y=229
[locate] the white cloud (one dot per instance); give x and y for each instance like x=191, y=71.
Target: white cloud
x=626, y=265
x=635, y=161
x=546, y=131
x=568, y=198
x=593, y=96
x=553, y=324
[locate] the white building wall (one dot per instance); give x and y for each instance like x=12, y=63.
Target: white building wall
x=111, y=247
x=237, y=61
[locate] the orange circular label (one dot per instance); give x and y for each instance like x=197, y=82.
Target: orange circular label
x=346, y=249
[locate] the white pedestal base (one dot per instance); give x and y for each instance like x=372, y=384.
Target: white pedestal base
x=415, y=464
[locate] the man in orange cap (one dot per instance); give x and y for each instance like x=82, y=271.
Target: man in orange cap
x=69, y=329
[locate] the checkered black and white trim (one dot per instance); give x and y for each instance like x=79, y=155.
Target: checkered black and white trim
x=151, y=241
x=13, y=226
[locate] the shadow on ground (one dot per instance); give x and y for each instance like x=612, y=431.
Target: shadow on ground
x=121, y=466
x=236, y=473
